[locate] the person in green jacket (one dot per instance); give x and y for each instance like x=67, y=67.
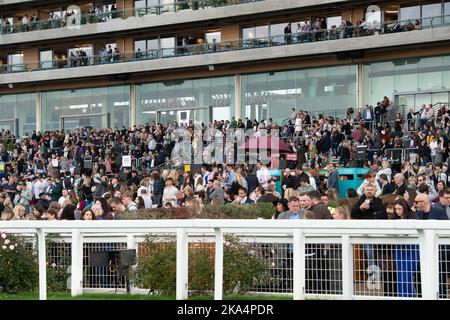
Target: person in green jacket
x=57, y=190
x=233, y=124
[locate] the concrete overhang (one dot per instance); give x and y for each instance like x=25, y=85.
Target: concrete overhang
x=417, y=37
x=166, y=19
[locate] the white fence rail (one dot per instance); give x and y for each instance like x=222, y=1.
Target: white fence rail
x=313, y=259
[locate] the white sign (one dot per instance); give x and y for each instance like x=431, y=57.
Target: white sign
x=55, y=163
x=126, y=161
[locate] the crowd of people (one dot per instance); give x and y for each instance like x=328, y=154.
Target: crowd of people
x=64, y=175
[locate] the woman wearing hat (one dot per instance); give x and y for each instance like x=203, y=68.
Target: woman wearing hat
x=280, y=206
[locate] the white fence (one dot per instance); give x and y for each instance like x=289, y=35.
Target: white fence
x=354, y=259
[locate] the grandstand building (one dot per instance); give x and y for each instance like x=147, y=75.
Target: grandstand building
x=65, y=64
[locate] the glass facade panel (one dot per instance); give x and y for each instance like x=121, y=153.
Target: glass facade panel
x=432, y=10
x=406, y=75
x=167, y=46
x=185, y=100
x=334, y=22
x=447, y=12
x=331, y=90
x=18, y=113
x=84, y=107
x=262, y=32
x=411, y=13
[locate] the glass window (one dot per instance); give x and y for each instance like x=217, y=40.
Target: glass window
x=248, y=33
x=104, y=107
x=409, y=13
x=185, y=100
x=331, y=89
x=140, y=4
x=430, y=70
x=46, y=59
x=334, y=22
x=210, y=36
x=18, y=113
x=152, y=44
x=431, y=14
x=140, y=45
x=262, y=32
x=167, y=46
x=447, y=12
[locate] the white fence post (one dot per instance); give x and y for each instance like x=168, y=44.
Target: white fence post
x=182, y=264
x=299, y=268
x=347, y=268
x=77, y=263
x=131, y=244
x=42, y=265
x=218, y=265
x=429, y=264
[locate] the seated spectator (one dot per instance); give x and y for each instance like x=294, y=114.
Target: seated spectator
x=425, y=211
x=403, y=211
x=340, y=213
x=294, y=211
x=386, y=186
x=127, y=200
x=243, y=198
x=370, y=179
x=318, y=207
x=369, y=206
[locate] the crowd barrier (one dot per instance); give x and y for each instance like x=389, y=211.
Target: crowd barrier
x=306, y=258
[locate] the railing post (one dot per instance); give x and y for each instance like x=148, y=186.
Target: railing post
x=131, y=244
x=347, y=268
x=182, y=264
x=77, y=263
x=42, y=265
x=218, y=265
x=299, y=264
x=429, y=264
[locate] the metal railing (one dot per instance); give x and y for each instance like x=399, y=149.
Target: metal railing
x=401, y=259
x=209, y=48
x=100, y=17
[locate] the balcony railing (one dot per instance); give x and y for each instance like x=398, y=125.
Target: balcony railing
x=243, y=44
x=89, y=18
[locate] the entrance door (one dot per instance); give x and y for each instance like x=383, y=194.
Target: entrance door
x=11, y=125
x=70, y=123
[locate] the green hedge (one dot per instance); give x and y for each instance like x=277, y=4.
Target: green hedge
x=251, y=211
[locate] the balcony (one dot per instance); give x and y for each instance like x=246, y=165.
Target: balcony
x=391, y=34
x=144, y=18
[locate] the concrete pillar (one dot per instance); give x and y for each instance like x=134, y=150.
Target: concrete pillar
x=237, y=96
x=38, y=111
x=359, y=85
x=132, y=105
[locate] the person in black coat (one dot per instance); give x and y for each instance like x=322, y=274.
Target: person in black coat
x=252, y=181
x=368, y=206
x=386, y=186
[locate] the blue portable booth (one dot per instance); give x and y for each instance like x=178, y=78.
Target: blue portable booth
x=350, y=178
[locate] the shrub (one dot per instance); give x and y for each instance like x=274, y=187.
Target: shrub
x=242, y=268
x=58, y=261
x=251, y=211
x=18, y=264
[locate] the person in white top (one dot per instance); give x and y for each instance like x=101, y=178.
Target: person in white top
x=148, y=203
x=386, y=169
x=65, y=195
x=263, y=174
x=170, y=193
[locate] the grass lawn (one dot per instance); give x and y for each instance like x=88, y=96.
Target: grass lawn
x=122, y=296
